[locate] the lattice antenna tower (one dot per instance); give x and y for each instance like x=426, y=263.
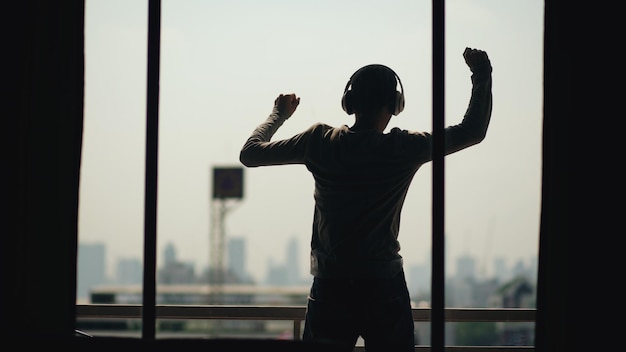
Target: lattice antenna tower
x=227, y=188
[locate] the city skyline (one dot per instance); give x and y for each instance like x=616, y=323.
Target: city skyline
x=128, y=270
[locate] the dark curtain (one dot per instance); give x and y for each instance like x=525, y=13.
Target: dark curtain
x=552, y=289
x=42, y=120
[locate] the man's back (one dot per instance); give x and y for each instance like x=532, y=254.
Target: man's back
x=361, y=180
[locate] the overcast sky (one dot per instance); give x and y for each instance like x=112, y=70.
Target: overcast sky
x=222, y=65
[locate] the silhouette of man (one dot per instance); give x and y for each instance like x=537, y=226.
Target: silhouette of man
x=362, y=176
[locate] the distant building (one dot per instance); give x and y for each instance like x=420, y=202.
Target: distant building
x=466, y=267
x=169, y=254
x=288, y=273
x=91, y=268
x=293, y=262
x=202, y=294
x=418, y=279
x=237, y=259
x=276, y=274
x=173, y=271
x=129, y=271
x=459, y=292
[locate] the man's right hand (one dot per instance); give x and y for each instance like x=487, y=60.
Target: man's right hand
x=477, y=60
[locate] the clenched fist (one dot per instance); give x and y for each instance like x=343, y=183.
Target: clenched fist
x=477, y=60
x=286, y=104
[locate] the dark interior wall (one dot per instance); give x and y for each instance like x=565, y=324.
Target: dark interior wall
x=41, y=138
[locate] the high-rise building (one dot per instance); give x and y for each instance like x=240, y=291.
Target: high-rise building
x=292, y=265
x=91, y=268
x=237, y=257
x=169, y=254
x=288, y=272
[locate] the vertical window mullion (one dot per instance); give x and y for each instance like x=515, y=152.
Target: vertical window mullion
x=438, y=120
x=150, y=208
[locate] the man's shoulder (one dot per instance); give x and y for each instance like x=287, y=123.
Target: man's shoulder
x=326, y=129
x=325, y=126
x=398, y=132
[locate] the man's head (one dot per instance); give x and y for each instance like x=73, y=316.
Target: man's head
x=372, y=87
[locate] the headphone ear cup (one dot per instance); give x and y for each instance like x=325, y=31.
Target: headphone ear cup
x=346, y=102
x=399, y=103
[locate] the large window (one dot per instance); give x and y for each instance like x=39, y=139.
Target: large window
x=222, y=65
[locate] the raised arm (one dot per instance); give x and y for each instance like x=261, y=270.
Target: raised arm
x=258, y=150
x=473, y=129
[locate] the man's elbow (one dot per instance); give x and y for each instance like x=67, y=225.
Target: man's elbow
x=476, y=137
x=246, y=160
x=480, y=136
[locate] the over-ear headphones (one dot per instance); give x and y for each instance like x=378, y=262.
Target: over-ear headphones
x=396, y=105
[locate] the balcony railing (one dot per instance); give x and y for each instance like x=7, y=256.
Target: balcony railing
x=296, y=314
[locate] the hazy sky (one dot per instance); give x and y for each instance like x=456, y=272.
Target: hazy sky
x=222, y=65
